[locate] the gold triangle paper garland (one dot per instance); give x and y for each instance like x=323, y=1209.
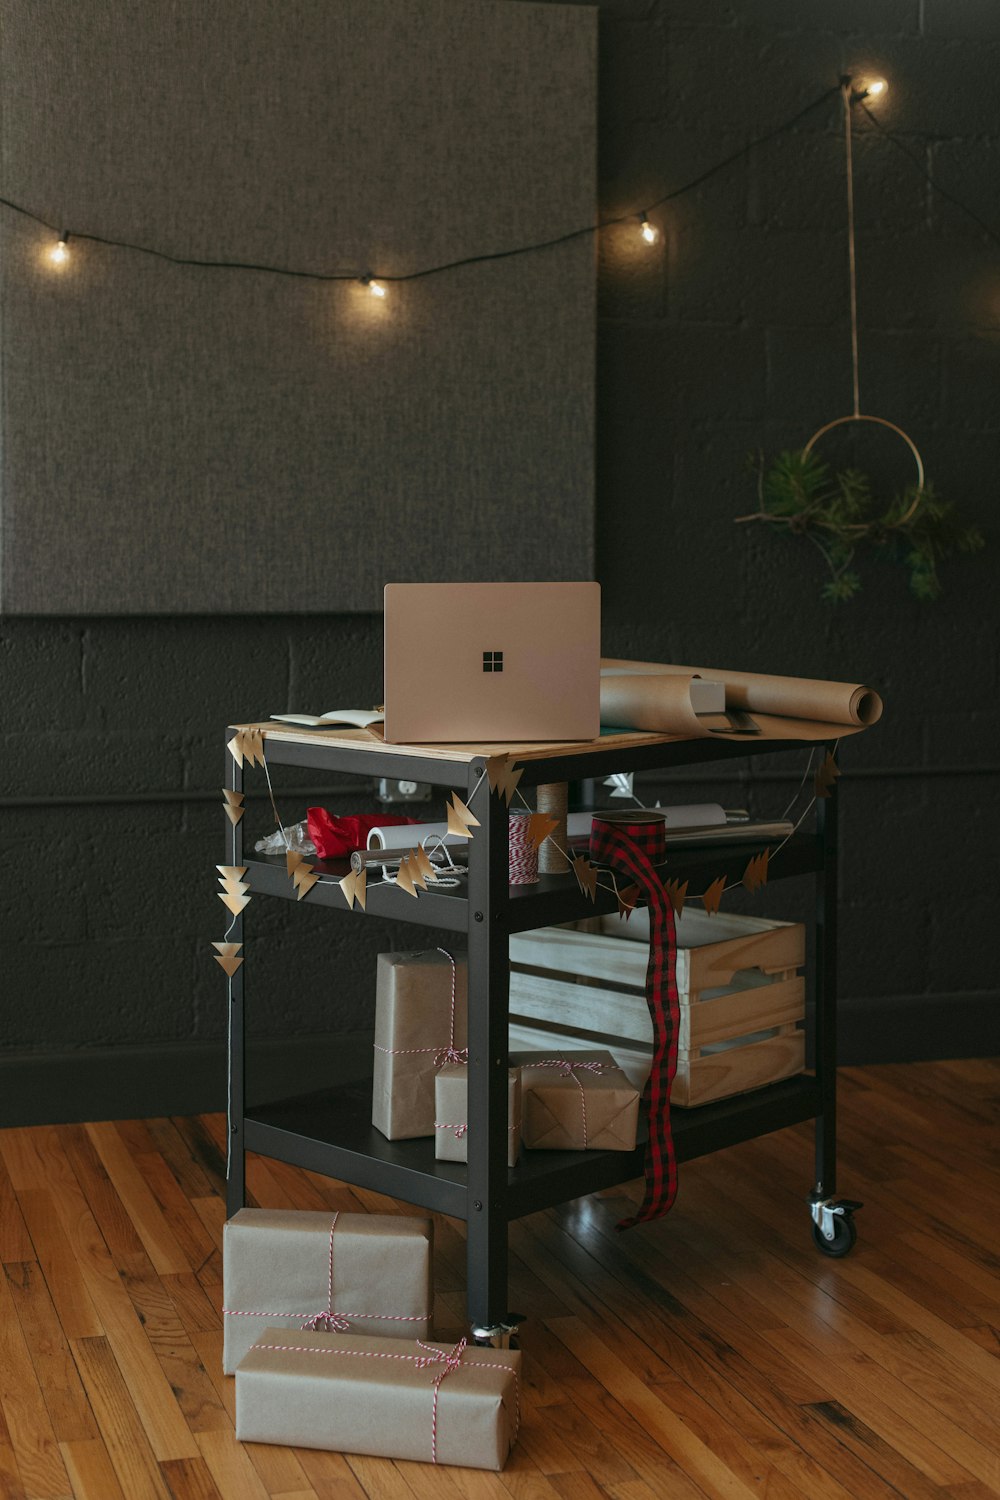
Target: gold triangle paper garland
x=826, y=776
x=247, y=744
x=460, y=820
x=405, y=877
x=540, y=825
x=228, y=955
x=502, y=776
x=712, y=899
x=234, y=805
x=676, y=893
x=234, y=889
x=627, y=900
x=300, y=872
x=355, y=888
x=755, y=874
x=586, y=875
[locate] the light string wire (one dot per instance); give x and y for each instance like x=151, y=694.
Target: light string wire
x=928, y=177
x=66, y=234
x=852, y=257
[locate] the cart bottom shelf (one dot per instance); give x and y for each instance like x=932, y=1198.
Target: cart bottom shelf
x=330, y=1132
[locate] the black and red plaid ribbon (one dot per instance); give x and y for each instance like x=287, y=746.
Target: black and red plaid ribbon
x=631, y=849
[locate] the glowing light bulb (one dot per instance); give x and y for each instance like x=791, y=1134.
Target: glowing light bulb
x=649, y=231
x=376, y=288
x=59, y=254
x=876, y=87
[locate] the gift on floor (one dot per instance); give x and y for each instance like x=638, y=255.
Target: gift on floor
x=576, y=1101
x=394, y=1399
x=451, y=1107
x=420, y=1023
x=366, y=1273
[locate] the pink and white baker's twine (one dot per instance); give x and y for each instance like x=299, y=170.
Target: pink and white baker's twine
x=448, y=1054
x=570, y=1070
x=522, y=860
x=326, y=1320
x=452, y=1360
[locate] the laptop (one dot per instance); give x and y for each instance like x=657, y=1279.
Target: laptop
x=482, y=662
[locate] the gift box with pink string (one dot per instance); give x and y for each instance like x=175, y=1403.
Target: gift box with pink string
x=387, y=1397
x=420, y=1025
x=341, y=1272
x=576, y=1101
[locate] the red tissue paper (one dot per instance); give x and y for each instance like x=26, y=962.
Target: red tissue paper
x=337, y=838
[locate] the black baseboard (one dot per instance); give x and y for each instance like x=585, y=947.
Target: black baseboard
x=918, y=1028
x=121, y=1083
x=187, y=1078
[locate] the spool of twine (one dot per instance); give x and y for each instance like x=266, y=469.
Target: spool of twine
x=552, y=799
x=523, y=856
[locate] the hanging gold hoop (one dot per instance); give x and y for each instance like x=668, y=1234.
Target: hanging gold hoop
x=881, y=422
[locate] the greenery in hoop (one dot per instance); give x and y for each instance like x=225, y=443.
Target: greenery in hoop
x=840, y=514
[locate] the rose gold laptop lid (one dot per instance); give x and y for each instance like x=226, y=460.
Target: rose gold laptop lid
x=479, y=662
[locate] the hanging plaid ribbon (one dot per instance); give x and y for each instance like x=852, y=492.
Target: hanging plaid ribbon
x=630, y=845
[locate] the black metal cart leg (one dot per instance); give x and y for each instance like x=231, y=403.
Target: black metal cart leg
x=488, y=1001
x=235, y=1154
x=825, y=1012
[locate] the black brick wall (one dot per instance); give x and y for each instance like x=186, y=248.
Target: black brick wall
x=732, y=334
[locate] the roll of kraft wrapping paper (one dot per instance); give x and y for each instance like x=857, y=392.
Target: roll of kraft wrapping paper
x=633, y=844
x=784, y=707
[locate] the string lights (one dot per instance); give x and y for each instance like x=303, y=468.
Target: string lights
x=377, y=285
x=863, y=92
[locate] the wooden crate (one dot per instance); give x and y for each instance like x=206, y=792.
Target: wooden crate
x=742, y=997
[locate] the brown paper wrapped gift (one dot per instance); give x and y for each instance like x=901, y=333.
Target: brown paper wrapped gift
x=416, y=1030
x=385, y=1397
x=277, y=1269
x=451, y=1105
x=576, y=1101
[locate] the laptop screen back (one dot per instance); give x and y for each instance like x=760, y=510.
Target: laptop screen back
x=480, y=662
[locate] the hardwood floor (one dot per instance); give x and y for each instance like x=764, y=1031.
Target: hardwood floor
x=713, y=1354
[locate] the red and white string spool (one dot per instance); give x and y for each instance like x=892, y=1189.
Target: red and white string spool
x=523, y=852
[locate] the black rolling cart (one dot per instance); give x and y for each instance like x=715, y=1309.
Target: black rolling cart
x=330, y=1131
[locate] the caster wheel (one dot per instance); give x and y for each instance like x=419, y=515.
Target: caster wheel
x=845, y=1236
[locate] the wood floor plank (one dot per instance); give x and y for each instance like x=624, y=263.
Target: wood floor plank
x=190, y=1479
x=64, y=1396
x=143, y=1209
x=379, y=1478
x=230, y=1465
x=26, y=1418
x=676, y=1439
x=121, y=1424
x=179, y=1157
x=329, y=1474
x=52, y=1249
x=149, y=1389
x=11, y=1487
x=185, y=1225
x=15, y=1242
x=192, y=1388
x=91, y=1471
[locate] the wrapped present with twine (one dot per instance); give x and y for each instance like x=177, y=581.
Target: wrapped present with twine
x=451, y=1104
x=357, y=1273
x=392, y=1399
x=577, y=1101
x=420, y=1025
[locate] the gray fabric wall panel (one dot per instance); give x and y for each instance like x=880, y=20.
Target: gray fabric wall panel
x=181, y=439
